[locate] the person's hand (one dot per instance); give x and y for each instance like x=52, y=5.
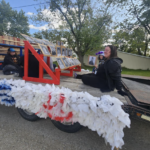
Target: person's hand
x=122, y=93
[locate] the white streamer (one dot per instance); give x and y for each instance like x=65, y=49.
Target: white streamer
x=104, y=115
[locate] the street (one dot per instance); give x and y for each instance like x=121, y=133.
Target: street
x=19, y=134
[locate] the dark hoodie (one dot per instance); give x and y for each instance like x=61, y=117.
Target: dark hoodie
x=113, y=73
x=11, y=60
x=109, y=74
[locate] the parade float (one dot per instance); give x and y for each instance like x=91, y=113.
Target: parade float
x=69, y=103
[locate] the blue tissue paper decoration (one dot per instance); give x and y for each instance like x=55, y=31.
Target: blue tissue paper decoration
x=4, y=98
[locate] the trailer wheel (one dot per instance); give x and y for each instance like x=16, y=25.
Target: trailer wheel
x=67, y=127
x=27, y=115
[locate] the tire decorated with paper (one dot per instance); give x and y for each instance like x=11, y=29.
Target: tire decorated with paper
x=62, y=121
x=27, y=115
x=67, y=127
x=101, y=114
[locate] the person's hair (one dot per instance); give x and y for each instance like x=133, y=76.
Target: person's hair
x=113, y=51
x=8, y=52
x=99, y=57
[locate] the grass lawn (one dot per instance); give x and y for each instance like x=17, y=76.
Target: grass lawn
x=139, y=72
x=128, y=71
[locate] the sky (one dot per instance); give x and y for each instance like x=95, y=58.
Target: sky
x=31, y=9
x=28, y=10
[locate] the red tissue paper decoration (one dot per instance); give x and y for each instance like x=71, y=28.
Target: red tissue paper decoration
x=52, y=111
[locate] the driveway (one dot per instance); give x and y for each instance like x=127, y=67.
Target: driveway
x=19, y=134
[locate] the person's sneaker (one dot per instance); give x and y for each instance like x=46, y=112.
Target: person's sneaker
x=16, y=74
x=75, y=75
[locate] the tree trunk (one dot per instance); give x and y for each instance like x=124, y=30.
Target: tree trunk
x=139, y=51
x=81, y=60
x=146, y=46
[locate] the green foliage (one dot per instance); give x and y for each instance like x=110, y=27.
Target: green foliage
x=12, y=22
x=38, y=35
x=5, y=15
x=55, y=62
x=133, y=35
x=134, y=41
x=138, y=11
x=51, y=35
x=83, y=27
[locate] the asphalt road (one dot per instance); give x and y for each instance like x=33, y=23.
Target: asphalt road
x=19, y=134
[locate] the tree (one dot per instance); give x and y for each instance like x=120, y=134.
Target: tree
x=138, y=11
x=137, y=23
x=38, y=35
x=84, y=27
x=12, y=22
x=51, y=35
x=135, y=41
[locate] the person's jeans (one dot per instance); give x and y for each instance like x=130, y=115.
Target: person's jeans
x=54, y=65
x=10, y=69
x=94, y=70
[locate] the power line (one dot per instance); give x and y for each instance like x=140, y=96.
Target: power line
x=31, y=5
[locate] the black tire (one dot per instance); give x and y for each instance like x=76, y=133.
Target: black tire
x=67, y=128
x=27, y=116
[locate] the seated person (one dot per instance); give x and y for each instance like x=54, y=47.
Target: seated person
x=101, y=59
x=33, y=66
x=11, y=62
x=108, y=76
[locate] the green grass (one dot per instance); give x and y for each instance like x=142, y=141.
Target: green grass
x=88, y=67
x=127, y=71
x=138, y=72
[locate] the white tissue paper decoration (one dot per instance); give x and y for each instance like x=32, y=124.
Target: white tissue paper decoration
x=85, y=70
x=104, y=115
